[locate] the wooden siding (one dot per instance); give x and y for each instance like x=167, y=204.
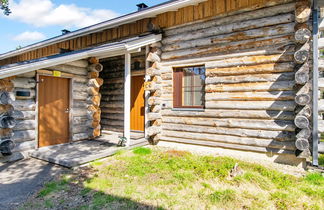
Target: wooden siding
x=204, y=10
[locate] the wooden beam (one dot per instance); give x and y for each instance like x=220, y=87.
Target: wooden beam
x=127, y=95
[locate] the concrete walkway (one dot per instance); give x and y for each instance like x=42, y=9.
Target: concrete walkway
x=20, y=179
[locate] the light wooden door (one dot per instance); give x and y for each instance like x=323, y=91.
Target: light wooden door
x=53, y=110
x=137, y=103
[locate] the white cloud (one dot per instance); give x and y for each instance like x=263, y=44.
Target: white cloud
x=42, y=13
x=29, y=36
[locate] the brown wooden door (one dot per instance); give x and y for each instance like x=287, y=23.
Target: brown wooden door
x=53, y=110
x=137, y=103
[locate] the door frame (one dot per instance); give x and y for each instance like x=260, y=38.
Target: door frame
x=71, y=80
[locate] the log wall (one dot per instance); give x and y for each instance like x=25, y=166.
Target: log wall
x=85, y=112
x=249, y=88
x=112, y=91
x=201, y=11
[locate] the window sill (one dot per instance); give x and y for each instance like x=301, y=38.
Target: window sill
x=189, y=109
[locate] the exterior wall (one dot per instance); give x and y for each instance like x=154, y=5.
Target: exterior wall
x=249, y=100
x=112, y=91
x=204, y=10
x=82, y=122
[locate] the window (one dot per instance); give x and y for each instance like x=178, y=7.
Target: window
x=188, y=87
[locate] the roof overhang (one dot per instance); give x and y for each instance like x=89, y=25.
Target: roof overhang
x=149, y=12
x=107, y=50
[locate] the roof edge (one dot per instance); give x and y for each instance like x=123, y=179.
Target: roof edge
x=128, y=18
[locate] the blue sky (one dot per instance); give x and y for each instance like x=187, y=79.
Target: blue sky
x=35, y=20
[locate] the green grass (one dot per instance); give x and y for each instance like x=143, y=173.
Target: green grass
x=142, y=151
x=146, y=178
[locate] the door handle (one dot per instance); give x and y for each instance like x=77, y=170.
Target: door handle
x=67, y=110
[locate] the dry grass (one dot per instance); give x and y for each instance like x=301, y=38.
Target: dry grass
x=156, y=179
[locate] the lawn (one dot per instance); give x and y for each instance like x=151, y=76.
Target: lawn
x=147, y=178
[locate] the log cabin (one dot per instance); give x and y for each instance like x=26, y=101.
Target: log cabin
x=234, y=76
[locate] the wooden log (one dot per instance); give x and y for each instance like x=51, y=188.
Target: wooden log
x=115, y=104
x=154, y=140
x=77, y=86
x=251, y=78
x=23, y=135
x=156, y=65
x=157, y=79
x=154, y=130
x=303, y=11
x=278, y=135
x=304, y=111
x=303, y=99
x=96, y=132
x=93, y=74
x=77, y=112
x=96, y=67
x=5, y=132
x=157, y=122
x=156, y=108
x=243, y=60
x=153, y=72
x=6, y=108
x=304, y=133
x=24, y=105
x=232, y=139
x=25, y=125
x=227, y=38
x=154, y=101
x=93, y=124
x=254, y=69
x=225, y=113
x=93, y=108
x=23, y=115
x=118, y=116
x=80, y=128
x=226, y=145
x=81, y=120
x=79, y=63
x=302, y=144
x=220, y=49
x=253, y=86
x=152, y=86
x=301, y=122
x=302, y=35
x=96, y=82
x=95, y=100
x=153, y=116
x=80, y=95
x=5, y=98
x=236, y=18
x=302, y=74
x=21, y=82
x=277, y=125
x=96, y=116
x=251, y=96
x=153, y=57
x=69, y=69
x=257, y=105
x=25, y=146
x=303, y=154
x=6, y=85
x=112, y=122
x=156, y=93
x=92, y=91
x=93, y=60
x=302, y=54
x=230, y=28
x=80, y=136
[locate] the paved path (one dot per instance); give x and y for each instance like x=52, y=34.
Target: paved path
x=20, y=179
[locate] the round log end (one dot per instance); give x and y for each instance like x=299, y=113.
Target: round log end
x=301, y=122
x=302, y=12
x=302, y=144
x=301, y=56
x=304, y=133
x=302, y=35
x=303, y=99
